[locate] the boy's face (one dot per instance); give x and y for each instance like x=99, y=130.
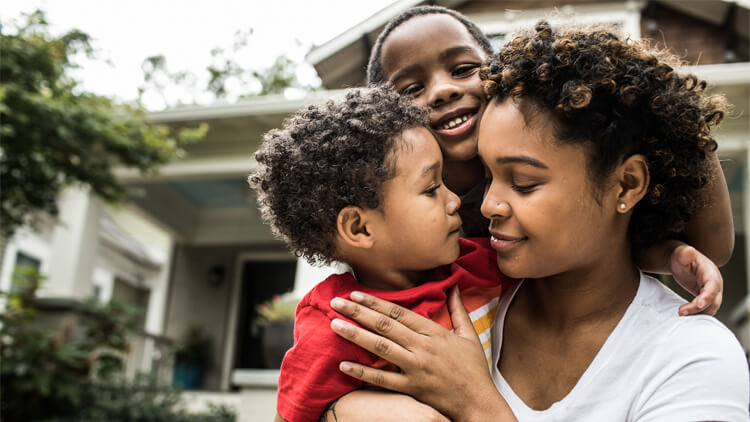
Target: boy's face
x=435, y=60
x=417, y=226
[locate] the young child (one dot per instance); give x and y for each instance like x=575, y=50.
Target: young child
x=360, y=181
x=432, y=55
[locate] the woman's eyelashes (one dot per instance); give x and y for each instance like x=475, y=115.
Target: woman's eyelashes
x=524, y=189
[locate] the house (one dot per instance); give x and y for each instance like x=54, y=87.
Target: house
x=193, y=252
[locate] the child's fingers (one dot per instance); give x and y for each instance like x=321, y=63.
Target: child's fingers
x=691, y=308
x=714, y=306
x=389, y=380
x=707, y=302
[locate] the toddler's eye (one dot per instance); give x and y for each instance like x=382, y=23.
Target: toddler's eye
x=431, y=190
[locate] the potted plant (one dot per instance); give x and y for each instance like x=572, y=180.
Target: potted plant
x=276, y=319
x=191, y=359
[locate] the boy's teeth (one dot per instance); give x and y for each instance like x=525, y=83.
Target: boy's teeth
x=455, y=122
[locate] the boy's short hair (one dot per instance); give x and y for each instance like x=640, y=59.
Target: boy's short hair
x=375, y=67
x=327, y=157
x=617, y=97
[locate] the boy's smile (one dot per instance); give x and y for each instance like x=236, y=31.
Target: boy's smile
x=435, y=60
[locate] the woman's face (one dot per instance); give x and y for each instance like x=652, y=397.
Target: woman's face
x=435, y=60
x=545, y=219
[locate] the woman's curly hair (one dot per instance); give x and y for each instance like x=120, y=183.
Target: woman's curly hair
x=327, y=157
x=618, y=97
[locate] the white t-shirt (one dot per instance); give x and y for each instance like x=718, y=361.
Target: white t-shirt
x=655, y=366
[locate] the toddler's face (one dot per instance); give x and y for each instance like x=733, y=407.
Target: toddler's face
x=418, y=225
x=435, y=60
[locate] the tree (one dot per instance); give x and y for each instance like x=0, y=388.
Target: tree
x=226, y=78
x=75, y=371
x=53, y=135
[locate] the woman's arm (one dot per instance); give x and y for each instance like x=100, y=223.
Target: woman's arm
x=445, y=370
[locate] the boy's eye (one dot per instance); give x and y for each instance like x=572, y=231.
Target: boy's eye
x=464, y=69
x=411, y=90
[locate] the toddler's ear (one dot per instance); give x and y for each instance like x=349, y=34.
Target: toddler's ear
x=352, y=226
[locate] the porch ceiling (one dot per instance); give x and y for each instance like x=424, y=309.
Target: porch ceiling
x=204, y=198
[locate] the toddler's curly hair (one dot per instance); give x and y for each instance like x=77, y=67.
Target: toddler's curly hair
x=327, y=157
x=618, y=97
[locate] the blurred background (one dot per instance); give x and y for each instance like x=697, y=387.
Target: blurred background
x=132, y=256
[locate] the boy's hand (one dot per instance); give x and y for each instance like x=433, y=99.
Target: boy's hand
x=700, y=276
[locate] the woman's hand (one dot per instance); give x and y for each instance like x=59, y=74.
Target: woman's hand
x=445, y=370
x=700, y=276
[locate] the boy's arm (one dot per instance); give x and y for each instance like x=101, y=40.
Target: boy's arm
x=711, y=232
x=381, y=406
x=309, y=377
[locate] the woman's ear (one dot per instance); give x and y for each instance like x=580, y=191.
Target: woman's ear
x=633, y=180
x=352, y=225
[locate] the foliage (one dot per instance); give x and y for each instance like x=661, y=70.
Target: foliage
x=278, y=308
x=195, y=350
x=53, y=135
x=75, y=372
x=226, y=77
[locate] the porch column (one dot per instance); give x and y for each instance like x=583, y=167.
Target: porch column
x=74, y=246
x=307, y=276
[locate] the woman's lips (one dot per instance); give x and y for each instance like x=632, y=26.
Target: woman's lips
x=501, y=243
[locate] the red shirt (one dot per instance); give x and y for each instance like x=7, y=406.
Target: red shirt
x=310, y=378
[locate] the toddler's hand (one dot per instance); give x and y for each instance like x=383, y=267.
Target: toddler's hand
x=700, y=276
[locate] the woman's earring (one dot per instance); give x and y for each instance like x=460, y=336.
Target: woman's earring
x=623, y=206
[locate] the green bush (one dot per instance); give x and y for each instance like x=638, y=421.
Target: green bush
x=75, y=373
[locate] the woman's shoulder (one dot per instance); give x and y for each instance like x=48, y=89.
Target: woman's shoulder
x=657, y=306
x=691, y=365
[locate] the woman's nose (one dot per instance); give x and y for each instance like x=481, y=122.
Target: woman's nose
x=494, y=206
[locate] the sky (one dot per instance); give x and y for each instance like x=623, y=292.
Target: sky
x=126, y=32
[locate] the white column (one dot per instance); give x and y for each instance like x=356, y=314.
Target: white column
x=308, y=276
x=74, y=246
x=157, y=304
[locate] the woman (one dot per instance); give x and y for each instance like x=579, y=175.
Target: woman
x=595, y=148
